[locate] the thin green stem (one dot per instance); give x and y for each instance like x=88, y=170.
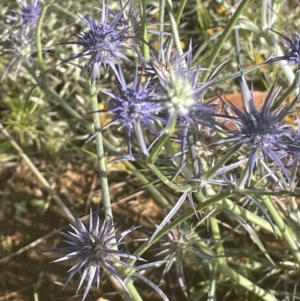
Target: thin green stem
x=225, y=34
x=163, y=139
x=220, y=259
x=39, y=46
x=133, y=292
x=247, y=284
x=174, y=27
x=162, y=5
x=144, y=44
x=180, y=11
x=166, y=181
x=223, y=266
x=100, y=152
x=283, y=228
x=247, y=215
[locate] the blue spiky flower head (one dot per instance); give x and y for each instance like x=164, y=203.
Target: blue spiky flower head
x=95, y=248
x=104, y=42
x=292, y=53
x=133, y=104
x=30, y=13
x=261, y=130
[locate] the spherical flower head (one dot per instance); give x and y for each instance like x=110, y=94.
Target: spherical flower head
x=179, y=246
x=18, y=47
x=104, y=43
x=181, y=91
x=132, y=104
x=261, y=130
x=95, y=248
x=292, y=53
x=30, y=13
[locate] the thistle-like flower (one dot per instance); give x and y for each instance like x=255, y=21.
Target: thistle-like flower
x=30, y=13
x=17, y=42
x=133, y=104
x=104, y=43
x=17, y=46
x=182, y=96
x=180, y=246
x=95, y=248
x=181, y=92
x=261, y=130
x=292, y=54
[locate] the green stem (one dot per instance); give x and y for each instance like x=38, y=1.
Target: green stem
x=247, y=215
x=226, y=32
x=162, y=5
x=166, y=181
x=283, y=228
x=247, y=284
x=233, y=275
x=174, y=27
x=133, y=292
x=220, y=259
x=144, y=44
x=100, y=152
x=164, y=138
x=180, y=11
x=39, y=47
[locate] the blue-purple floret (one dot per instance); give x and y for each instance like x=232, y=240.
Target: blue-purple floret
x=261, y=130
x=104, y=43
x=30, y=13
x=133, y=104
x=95, y=249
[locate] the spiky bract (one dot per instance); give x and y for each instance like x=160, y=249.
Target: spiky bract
x=292, y=53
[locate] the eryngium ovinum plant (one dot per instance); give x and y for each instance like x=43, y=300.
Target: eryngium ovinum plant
x=231, y=164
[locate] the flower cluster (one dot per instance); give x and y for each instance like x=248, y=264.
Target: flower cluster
x=157, y=98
